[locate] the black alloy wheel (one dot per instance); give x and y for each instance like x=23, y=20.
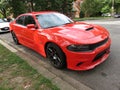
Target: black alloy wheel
x=56, y=56
x=15, y=39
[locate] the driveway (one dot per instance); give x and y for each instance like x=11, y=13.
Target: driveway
x=105, y=76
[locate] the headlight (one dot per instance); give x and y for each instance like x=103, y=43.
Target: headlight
x=78, y=48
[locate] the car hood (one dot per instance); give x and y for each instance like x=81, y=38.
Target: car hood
x=6, y=24
x=80, y=33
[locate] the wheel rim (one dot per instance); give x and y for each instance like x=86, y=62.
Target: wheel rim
x=53, y=56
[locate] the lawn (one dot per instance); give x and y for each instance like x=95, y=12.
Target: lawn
x=16, y=74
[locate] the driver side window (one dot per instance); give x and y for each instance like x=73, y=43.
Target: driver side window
x=29, y=20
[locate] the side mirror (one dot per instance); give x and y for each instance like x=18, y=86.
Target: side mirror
x=31, y=26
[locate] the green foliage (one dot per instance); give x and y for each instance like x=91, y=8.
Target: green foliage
x=22, y=6
x=63, y=6
x=4, y=8
x=105, y=9
x=91, y=7
x=16, y=74
x=97, y=7
x=88, y=7
x=117, y=6
x=18, y=7
x=108, y=4
x=1, y=15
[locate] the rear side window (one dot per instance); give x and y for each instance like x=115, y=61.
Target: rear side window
x=20, y=20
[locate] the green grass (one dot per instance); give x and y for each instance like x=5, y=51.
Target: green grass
x=91, y=18
x=16, y=74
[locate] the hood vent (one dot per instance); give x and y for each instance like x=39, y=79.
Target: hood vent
x=88, y=29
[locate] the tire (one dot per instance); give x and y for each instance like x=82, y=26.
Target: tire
x=56, y=56
x=15, y=39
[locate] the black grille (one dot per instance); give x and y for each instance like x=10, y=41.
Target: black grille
x=99, y=55
x=93, y=46
x=5, y=28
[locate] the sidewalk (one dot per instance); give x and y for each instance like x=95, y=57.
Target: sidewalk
x=63, y=81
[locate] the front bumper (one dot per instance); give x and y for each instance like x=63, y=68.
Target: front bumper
x=4, y=29
x=88, y=60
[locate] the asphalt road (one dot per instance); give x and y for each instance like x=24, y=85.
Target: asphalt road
x=103, y=77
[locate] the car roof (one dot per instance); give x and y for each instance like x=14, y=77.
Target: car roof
x=41, y=12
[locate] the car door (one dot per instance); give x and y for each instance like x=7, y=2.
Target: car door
x=19, y=27
x=29, y=33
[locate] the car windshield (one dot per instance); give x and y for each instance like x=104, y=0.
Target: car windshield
x=1, y=21
x=52, y=20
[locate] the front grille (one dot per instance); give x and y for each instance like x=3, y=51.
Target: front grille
x=5, y=28
x=93, y=46
x=101, y=54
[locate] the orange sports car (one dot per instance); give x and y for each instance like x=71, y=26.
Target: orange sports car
x=75, y=45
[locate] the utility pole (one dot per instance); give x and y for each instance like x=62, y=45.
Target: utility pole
x=113, y=2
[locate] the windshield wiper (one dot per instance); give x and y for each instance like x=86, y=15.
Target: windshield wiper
x=52, y=26
x=67, y=23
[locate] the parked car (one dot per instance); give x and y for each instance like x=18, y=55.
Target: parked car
x=4, y=26
x=75, y=45
x=117, y=15
x=106, y=14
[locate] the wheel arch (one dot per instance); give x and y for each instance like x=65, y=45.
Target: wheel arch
x=45, y=46
x=55, y=44
x=58, y=47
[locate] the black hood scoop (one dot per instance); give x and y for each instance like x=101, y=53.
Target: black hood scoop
x=91, y=28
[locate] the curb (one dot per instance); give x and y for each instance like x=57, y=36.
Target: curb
x=8, y=47
x=64, y=82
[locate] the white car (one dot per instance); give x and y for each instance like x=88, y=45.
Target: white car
x=106, y=14
x=4, y=26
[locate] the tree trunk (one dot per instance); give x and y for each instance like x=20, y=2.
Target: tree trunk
x=87, y=15
x=32, y=7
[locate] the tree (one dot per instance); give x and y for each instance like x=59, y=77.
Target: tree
x=63, y=6
x=18, y=7
x=117, y=6
x=4, y=8
x=107, y=4
x=91, y=7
